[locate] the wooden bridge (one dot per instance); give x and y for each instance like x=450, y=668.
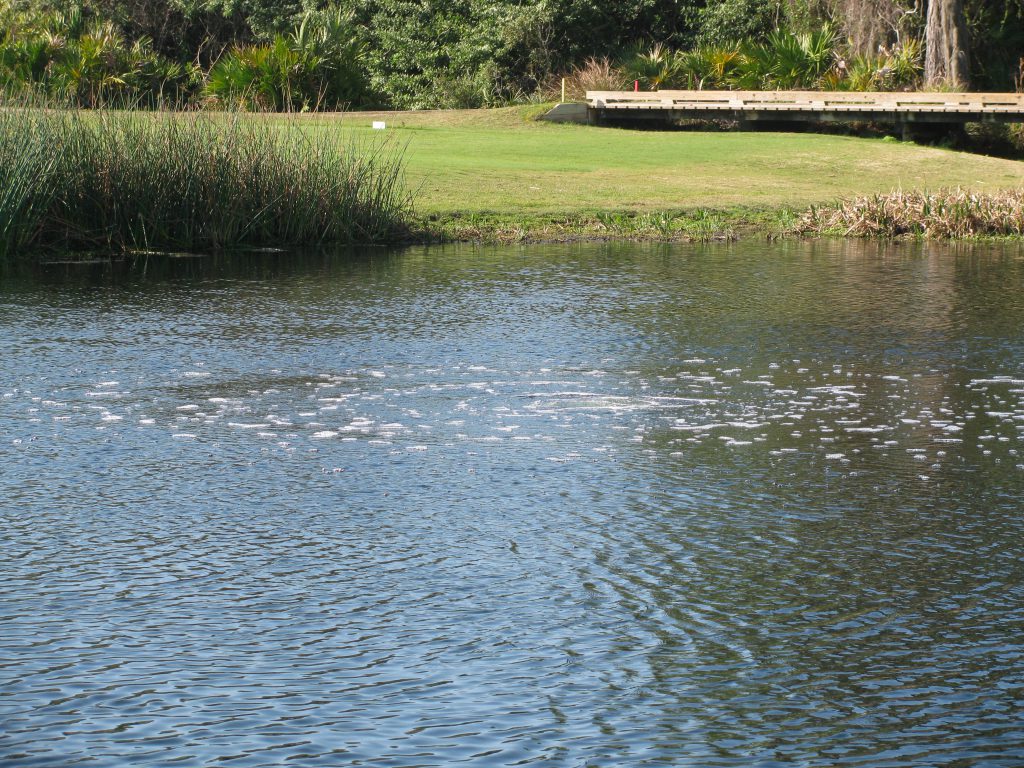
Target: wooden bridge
x=773, y=107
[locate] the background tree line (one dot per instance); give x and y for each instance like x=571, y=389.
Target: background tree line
x=305, y=54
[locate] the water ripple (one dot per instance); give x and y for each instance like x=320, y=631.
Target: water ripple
x=569, y=506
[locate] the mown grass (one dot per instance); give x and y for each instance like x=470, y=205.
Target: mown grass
x=504, y=163
x=124, y=181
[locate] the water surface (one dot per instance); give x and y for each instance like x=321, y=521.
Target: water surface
x=563, y=506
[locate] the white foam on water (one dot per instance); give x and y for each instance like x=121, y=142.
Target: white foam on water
x=669, y=401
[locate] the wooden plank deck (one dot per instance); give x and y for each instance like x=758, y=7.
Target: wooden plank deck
x=822, y=106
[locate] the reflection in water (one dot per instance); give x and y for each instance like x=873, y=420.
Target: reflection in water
x=725, y=505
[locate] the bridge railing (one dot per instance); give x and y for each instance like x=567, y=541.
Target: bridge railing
x=810, y=101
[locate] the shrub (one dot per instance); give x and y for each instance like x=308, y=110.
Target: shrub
x=595, y=74
x=944, y=214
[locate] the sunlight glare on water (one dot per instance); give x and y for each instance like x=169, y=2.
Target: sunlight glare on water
x=566, y=505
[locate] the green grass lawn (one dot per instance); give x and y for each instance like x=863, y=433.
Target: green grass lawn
x=503, y=162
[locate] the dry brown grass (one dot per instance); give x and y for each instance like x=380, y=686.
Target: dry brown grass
x=946, y=214
x=595, y=74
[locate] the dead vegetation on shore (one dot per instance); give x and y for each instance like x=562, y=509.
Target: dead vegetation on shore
x=945, y=214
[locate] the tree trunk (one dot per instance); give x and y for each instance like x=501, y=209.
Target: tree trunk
x=870, y=24
x=945, y=36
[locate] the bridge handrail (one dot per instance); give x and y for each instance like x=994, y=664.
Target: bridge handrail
x=895, y=101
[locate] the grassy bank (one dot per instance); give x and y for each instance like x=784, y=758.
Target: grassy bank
x=202, y=182
x=500, y=175
x=123, y=181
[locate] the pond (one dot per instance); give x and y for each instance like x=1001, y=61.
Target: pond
x=727, y=505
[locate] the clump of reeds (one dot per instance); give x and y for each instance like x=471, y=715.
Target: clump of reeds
x=189, y=181
x=950, y=214
x=27, y=161
x=594, y=74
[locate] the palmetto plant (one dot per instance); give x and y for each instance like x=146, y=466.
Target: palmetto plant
x=787, y=61
x=898, y=68
x=264, y=77
x=654, y=67
x=92, y=68
x=58, y=53
x=709, y=67
x=319, y=64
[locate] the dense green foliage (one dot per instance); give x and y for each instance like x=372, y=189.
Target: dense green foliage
x=320, y=64
x=187, y=181
x=307, y=54
x=781, y=60
x=87, y=59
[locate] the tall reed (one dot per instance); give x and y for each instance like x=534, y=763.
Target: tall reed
x=189, y=181
x=27, y=161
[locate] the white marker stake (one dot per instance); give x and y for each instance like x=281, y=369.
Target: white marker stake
x=379, y=125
